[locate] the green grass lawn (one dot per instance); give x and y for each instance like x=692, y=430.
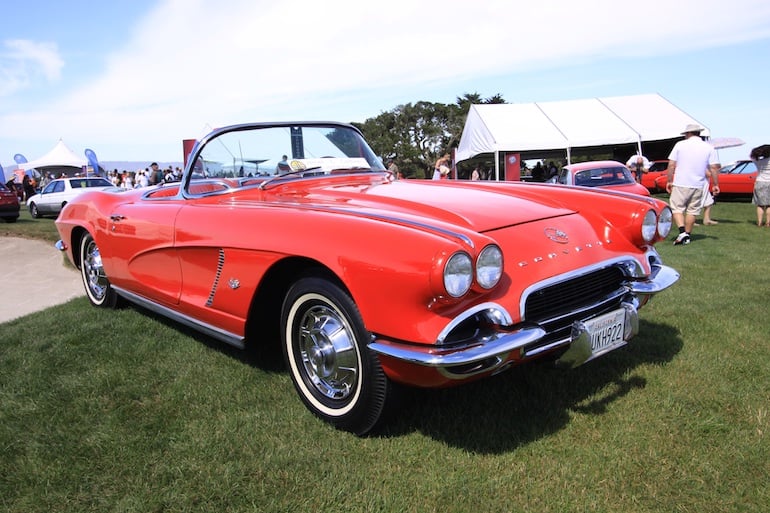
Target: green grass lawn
x=123, y=411
x=27, y=227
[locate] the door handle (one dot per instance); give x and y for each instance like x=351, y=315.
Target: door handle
x=116, y=217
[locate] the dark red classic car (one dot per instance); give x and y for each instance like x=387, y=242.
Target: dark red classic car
x=364, y=280
x=9, y=204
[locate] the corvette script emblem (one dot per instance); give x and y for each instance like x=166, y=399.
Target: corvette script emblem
x=557, y=235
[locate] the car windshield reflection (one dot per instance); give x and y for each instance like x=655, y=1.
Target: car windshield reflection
x=603, y=176
x=260, y=155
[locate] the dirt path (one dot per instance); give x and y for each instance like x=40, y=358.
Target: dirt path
x=34, y=277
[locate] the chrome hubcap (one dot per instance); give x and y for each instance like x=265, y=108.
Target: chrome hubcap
x=93, y=272
x=328, y=354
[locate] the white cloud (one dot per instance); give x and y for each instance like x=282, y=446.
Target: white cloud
x=188, y=63
x=23, y=61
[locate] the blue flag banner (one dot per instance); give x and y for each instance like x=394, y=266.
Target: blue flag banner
x=20, y=159
x=92, y=160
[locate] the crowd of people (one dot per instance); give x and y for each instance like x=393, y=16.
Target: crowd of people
x=152, y=175
x=25, y=190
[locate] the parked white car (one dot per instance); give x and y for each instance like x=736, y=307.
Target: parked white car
x=58, y=193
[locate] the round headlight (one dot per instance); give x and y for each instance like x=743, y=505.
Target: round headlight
x=649, y=226
x=664, y=222
x=458, y=274
x=489, y=266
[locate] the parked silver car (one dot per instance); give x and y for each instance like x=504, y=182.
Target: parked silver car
x=58, y=193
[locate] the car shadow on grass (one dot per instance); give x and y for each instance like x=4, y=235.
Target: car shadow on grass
x=503, y=412
x=529, y=402
x=265, y=354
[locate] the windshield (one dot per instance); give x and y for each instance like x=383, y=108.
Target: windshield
x=603, y=176
x=78, y=183
x=738, y=168
x=253, y=154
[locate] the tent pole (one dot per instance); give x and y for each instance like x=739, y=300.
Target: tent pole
x=497, y=165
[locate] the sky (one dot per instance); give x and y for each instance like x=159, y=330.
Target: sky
x=130, y=79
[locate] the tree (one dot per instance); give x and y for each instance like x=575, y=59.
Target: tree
x=416, y=135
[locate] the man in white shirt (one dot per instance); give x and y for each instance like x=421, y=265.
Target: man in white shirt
x=638, y=164
x=689, y=164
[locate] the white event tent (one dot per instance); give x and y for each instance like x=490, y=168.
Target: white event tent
x=564, y=125
x=59, y=156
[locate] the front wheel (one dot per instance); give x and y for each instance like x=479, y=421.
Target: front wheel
x=33, y=211
x=324, y=343
x=98, y=288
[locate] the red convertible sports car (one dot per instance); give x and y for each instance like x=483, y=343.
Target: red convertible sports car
x=364, y=280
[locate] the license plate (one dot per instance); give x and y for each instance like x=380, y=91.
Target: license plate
x=606, y=331
x=594, y=337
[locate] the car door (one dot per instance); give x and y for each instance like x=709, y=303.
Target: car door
x=51, y=197
x=141, y=257
x=740, y=179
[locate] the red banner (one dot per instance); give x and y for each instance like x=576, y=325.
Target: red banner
x=512, y=167
x=187, y=146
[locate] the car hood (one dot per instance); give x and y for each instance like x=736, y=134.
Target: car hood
x=478, y=207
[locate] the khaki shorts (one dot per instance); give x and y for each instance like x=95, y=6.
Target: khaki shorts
x=686, y=200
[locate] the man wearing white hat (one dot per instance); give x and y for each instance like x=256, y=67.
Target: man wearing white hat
x=689, y=164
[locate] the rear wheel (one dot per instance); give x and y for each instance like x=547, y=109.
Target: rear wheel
x=324, y=343
x=98, y=288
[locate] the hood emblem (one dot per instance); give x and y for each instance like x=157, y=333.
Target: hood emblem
x=557, y=235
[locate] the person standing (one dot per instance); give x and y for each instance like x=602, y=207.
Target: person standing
x=393, y=169
x=11, y=185
x=441, y=168
x=688, y=165
x=761, y=157
x=552, y=170
x=142, y=180
x=707, y=204
x=538, y=173
x=156, y=175
x=28, y=187
x=283, y=166
x=638, y=164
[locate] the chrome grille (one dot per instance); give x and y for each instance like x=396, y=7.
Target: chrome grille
x=556, y=299
x=557, y=306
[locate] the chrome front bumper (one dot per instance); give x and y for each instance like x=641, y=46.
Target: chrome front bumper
x=492, y=352
x=460, y=363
